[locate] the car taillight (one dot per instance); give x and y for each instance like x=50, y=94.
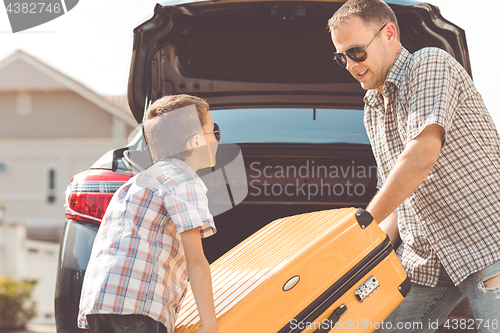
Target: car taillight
x=90, y=192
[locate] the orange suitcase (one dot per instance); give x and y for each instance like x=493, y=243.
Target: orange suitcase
x=314, y=272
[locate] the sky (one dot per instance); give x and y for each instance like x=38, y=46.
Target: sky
x=92, y=43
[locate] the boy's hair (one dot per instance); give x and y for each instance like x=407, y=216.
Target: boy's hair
x=168, y=132
x=375, y=13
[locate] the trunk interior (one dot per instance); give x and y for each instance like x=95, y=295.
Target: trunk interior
x=290, y=179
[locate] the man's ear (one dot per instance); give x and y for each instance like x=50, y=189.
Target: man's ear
x=391, y=32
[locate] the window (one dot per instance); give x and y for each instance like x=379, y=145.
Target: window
x=4, y=167
x=283, y=125
x=51, y=188
x=24, y=103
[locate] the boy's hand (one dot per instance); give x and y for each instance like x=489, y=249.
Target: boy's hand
x=209, y=330
x=200, y=279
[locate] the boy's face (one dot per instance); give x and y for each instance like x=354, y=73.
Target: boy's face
x=211, y=141
x=203, y=146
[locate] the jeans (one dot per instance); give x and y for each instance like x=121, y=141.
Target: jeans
x=115, y=323
x=426, y=307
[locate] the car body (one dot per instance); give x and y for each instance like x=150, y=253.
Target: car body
x=267, y=71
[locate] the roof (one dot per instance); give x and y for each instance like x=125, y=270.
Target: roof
x=21, y=71
x=121, y=102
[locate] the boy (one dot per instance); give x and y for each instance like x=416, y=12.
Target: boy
x=149, y=241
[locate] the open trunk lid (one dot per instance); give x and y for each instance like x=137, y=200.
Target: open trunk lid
x=263, y=53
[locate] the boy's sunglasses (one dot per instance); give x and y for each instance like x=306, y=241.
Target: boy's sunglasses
x=216, y=132
x=356, y=53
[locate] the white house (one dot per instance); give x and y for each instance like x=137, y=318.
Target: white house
x=51, y=128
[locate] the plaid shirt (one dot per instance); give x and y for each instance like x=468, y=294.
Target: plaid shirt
x=137, y=265
x=453, y=217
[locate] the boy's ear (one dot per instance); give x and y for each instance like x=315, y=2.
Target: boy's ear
x=194, y=142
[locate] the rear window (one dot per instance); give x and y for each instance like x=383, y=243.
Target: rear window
x=285, y=125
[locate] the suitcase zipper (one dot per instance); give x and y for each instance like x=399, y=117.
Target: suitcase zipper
x=332, y=294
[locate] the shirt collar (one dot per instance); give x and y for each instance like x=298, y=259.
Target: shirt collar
x=172, y=169
x=398, y=69
x=179, y=164
x=395, y=76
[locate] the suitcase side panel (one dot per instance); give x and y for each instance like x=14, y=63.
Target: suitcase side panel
x=368, y=315
x=341, y=286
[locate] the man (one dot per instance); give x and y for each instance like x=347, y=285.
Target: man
x=149, y=241
x=438, y=154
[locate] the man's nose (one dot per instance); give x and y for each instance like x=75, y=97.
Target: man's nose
x=350, y=64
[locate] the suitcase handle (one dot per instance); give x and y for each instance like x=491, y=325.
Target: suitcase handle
x=333, y=319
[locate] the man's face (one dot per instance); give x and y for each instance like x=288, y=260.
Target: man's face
x=370, y=73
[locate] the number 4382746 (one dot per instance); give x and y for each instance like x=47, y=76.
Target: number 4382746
x=470, y=324
x=33, y=8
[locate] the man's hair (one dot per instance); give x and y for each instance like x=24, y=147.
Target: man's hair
x=374, y=13
x=167, y=132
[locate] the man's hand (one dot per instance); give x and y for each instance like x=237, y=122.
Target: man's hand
x=200, y=279
x=411, y=169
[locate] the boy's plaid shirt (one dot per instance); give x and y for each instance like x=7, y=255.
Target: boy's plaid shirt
x=453, y=217
x=137, y=265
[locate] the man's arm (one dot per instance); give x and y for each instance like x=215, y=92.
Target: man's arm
x=390, y=227
x=200, y=279
x=412, y=167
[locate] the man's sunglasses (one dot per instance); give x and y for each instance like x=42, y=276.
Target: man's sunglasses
x=216, y=132
x=356, y=53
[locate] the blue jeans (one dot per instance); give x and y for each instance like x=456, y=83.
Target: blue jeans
x=425, y=307
x=115, y=323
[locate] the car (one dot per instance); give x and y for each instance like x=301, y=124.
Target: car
x=266, y=69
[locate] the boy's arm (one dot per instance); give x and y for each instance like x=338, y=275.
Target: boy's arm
x=200, y=279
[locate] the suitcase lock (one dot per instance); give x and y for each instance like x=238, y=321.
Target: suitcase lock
x=367, y=288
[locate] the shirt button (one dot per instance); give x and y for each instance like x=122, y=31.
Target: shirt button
x=390, y=136
x=437, y=265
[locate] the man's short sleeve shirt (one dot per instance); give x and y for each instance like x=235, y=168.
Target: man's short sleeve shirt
x=452, y=218
x=137, y=265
